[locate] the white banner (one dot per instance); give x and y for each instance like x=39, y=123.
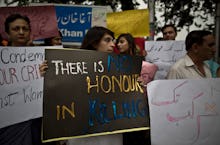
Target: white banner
x=184, y=112
x=164, y=54
x=21, y=85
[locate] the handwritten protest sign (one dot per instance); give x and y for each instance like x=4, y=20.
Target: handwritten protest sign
x=20, y=84
x=89, y=93
x=43, y=25
x=164, y=54
x=184, y=112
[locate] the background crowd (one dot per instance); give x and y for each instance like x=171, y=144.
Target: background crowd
x=197, y=63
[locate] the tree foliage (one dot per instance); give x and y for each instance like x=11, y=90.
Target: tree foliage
x=187, y=12
x=182, y=13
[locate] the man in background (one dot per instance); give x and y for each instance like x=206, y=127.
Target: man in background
x=169, y=32
x=200, y=46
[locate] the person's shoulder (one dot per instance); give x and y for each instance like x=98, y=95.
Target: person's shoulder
x=179, y=63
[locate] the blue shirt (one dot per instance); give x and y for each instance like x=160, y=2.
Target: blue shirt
x=213, y=67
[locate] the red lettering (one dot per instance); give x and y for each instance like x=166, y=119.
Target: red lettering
x=8, y=77
x=29, y=72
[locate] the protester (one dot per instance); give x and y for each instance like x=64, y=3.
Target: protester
x=169, y=32
x=52, y=41
x=98, y=39
x=18, y=30
x=126, y=45
x=200, y=46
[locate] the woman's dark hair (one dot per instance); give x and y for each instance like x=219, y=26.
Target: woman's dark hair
x=196, y=37
x=131, y=43
x=94, y=36
x=47, y=41
x=11, y=18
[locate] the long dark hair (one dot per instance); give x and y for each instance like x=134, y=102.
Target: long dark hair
x=94, y=36
x=131, y=43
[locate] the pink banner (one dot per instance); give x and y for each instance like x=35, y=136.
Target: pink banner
x=43, y=20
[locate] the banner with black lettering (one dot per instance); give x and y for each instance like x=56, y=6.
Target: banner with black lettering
x=89, y=93
x=21, y=85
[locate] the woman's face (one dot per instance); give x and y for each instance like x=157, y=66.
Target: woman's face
x=56, y=40
x=122, y=45
x=106, y=44
x=19, y=32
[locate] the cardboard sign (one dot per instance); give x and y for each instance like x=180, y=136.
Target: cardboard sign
x=184, y=112
x=89, y=93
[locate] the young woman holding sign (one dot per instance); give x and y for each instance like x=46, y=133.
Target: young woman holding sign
x=99, y=39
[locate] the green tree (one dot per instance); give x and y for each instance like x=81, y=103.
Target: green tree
x=185, y=13
x=182, y=13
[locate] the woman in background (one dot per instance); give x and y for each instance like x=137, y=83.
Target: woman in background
x=52, y=41
x=126, y=45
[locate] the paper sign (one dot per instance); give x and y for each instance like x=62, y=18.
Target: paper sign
x=21, y=86
x=184, y=112
x=164, y=54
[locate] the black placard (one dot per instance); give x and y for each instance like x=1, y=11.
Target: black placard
x=92, y=93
